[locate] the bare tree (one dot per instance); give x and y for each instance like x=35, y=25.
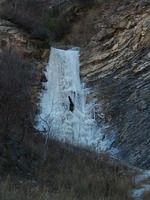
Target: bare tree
x=16, y=111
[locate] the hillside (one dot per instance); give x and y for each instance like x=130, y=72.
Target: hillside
x=114, y=42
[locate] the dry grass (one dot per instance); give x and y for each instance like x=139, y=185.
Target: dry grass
x=67, y=173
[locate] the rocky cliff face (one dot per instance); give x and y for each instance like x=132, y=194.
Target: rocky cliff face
x=116, y=67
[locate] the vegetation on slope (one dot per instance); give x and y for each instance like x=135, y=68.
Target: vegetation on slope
x=66, y=173
x=16, y=110
x=34, y=17
x=31, y=169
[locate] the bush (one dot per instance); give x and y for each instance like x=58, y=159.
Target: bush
x=34, y=17
x=16, y=111
x=68, y=174
x=27, y=14
x=59, y=26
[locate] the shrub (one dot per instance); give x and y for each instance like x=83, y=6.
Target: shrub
x=27, y=14
x=69, y=173
x=35, y=18
x=16, y=111
x=59, y=26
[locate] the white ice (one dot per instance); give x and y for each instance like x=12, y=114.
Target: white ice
x=78, y=126
x=143, y=176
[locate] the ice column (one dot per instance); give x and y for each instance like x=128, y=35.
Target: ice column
x=64, y=112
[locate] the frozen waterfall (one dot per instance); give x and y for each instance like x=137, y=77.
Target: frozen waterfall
x=65, y=113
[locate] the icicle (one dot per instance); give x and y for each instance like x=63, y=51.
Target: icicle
x=65, y=113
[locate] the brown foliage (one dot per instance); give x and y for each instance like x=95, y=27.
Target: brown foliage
x=27, y=14
x=68, y=173
x=16, y=112
x=34, y=17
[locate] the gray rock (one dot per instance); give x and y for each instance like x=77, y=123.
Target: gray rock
x=142, y=105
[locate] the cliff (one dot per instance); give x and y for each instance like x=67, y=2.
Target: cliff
x=115, y=61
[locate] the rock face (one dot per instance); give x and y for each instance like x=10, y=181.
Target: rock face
x=116, y=67
x=13, y=38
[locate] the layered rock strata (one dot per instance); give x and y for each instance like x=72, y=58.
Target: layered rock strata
x=116, y=67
